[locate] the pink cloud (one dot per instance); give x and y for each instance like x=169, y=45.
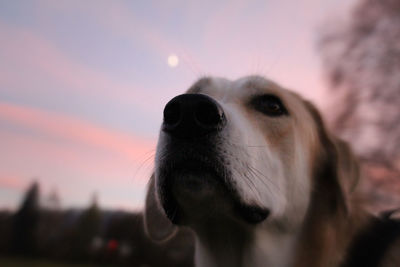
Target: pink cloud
x=66, y=128
x=32, y=155
x=12, y=182
x=77, y=171
x=34, y=64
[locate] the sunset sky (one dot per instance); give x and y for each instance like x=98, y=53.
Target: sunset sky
x=83, y=83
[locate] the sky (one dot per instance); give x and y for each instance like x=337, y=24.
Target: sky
x=83, y=83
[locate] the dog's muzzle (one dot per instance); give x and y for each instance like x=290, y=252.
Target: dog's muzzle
x=189, y=160
x=191, y=116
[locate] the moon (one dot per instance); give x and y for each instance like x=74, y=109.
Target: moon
x=173, y=60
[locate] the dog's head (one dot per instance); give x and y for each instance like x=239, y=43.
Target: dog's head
x=244, y=151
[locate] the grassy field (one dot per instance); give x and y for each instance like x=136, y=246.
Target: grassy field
x=16, y=262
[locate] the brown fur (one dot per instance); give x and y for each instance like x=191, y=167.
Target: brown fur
x=336, y=214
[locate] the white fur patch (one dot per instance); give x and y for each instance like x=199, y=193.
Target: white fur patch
x=260, y=175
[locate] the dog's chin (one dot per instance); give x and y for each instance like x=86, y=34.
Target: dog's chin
x=197, y=193
x=195, y=186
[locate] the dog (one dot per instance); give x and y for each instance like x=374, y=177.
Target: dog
x=252, y=170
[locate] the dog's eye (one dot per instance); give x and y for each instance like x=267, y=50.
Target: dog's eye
x=269, y=105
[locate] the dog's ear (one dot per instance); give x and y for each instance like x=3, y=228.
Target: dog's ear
x=347, y=170
x=337, y=171
x=157, y=226
x=348, y=167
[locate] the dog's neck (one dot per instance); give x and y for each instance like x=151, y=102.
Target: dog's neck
x=238, y=246
x=322, y=244
x=326, y=241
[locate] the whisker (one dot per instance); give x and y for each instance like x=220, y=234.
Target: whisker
x=146, y=160
x=259, y=175
x=248, y=182
x=252, y=182
x=267, y=185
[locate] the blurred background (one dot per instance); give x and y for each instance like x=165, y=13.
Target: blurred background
x=83, y=85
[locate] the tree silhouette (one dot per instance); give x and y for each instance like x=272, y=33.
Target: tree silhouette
x=52, y=201
x=88, y=227
x=362, y=61
x=25, y=223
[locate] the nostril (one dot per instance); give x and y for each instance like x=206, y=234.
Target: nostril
x=207, y=114
x=172, y=113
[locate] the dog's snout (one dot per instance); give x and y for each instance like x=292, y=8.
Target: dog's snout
x=192, y=115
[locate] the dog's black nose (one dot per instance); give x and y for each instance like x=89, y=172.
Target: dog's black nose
x=192, y=116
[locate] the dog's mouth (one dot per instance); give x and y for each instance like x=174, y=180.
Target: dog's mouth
x=192, y=182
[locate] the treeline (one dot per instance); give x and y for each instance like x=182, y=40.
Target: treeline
x=87, y=236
